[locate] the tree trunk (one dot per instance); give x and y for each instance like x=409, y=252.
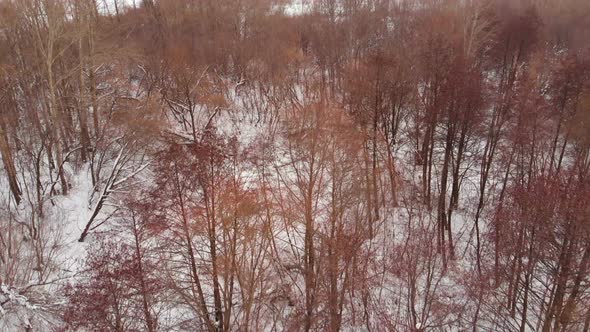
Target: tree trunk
x=9, y=165
x=442, y=216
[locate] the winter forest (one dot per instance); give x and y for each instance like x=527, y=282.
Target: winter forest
x=307, y=165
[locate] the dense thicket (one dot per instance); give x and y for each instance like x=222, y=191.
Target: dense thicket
x=249, y=165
